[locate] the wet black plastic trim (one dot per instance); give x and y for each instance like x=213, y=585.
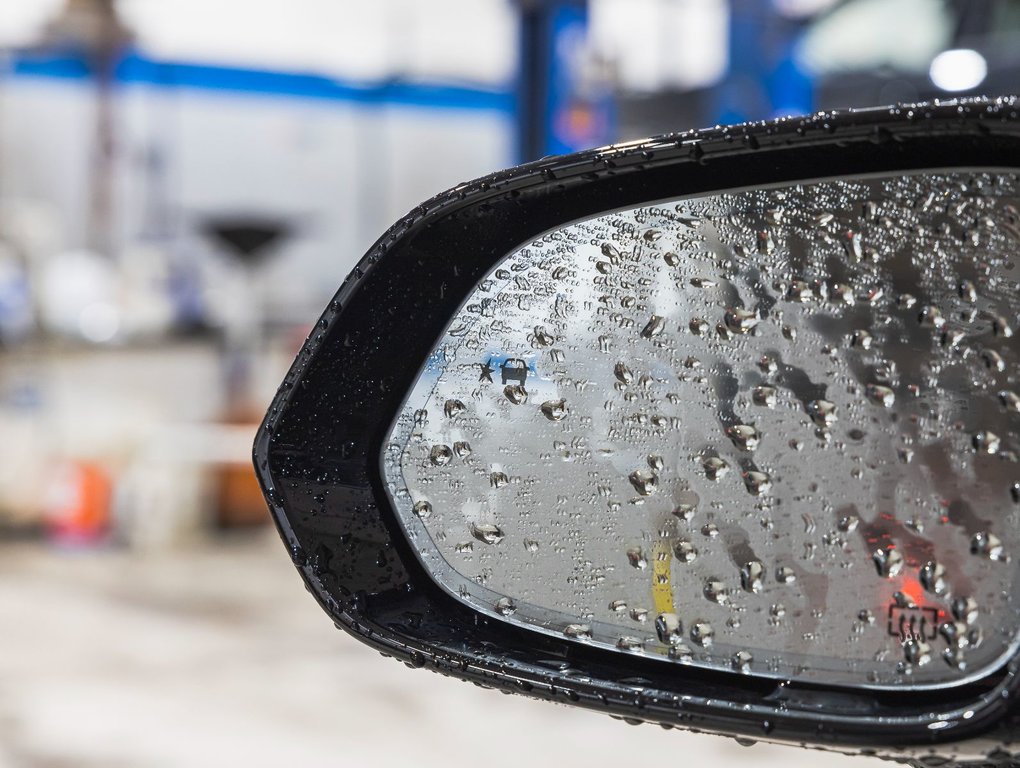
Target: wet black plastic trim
x=317, y=452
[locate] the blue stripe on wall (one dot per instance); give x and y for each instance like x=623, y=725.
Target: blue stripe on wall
x=134, y=68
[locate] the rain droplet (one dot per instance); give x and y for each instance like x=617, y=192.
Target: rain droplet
x=645, y=482
x=881, y=395
x=822, y=412
x=741, y=661
x=440, y=455
x=785, y=574
x=764, y=395
x=987, y=545
x=888, y=562
x=622, y=373
x=531, y=545
x=498, y=479
x=653, y=327
x=931, y=317
x=487, y=533
x=516, y=393
x=618, y=606
x=862, y=339
x=715, y=468
x=1010, y=401
x=986, y=442
x=631, y=644
x=752, y=576
x=685, y=551
x=669, y=628
x=423, y=509
x=636, y=557
x=555, y=410
x=757, y=483
x=453, y=407
x=916, y=652
x=542, y=338
x=740, y=320
x=933, y=578
x=715, y=590
x=462, y=448
x=702, y=633
x=577, y=631
x=744, y=436
x=505, y=606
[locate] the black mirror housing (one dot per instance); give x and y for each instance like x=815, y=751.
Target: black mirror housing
x=318, y=452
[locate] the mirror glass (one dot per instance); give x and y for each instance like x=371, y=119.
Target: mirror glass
x=770, y=431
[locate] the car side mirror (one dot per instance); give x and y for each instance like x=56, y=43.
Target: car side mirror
x=717, y=430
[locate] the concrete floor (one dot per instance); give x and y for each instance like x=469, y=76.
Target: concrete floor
x=218, y=657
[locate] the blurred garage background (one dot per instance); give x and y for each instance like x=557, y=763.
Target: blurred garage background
x=183, y=185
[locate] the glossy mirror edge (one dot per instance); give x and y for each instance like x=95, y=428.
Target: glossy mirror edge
x=299, y=453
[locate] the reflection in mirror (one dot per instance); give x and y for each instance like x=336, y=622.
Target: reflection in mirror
x=770, y=431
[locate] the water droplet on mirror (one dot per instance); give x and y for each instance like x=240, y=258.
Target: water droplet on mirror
x=453, y=407
x=632, y=644
x=669, y=629
x=498, y=479
x=965, y=609
x=740, y=320
x=618, y=606
x=623, y=373
x=848, y=523
x=505, y=606
x=880, y=395
x=655, y=326
x=699, y=326
x=516, y=394
x=741, y=661
x=685, y=551
x=555, y=410
x=1010, y=401
x=702, y=633
x=715, y=590
x=577, y=631
x=423, y=510
x=744, y=436
x=862, y=339
x=715, y=468
x=757, y=483
x=764, y=395
x=645, y=482
x=711, y=530
x=541, y=338
x=888, y=562
x=636, y=557
x=988, y=545
x=932, y=577
x=462, y=448
x=752, y=576
x=440, y=455
x=531, y=545
x=785, y=574
x=487, y=533
x=822, y=412
x=931, y=317
x=986, y=442
x=916, y=652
